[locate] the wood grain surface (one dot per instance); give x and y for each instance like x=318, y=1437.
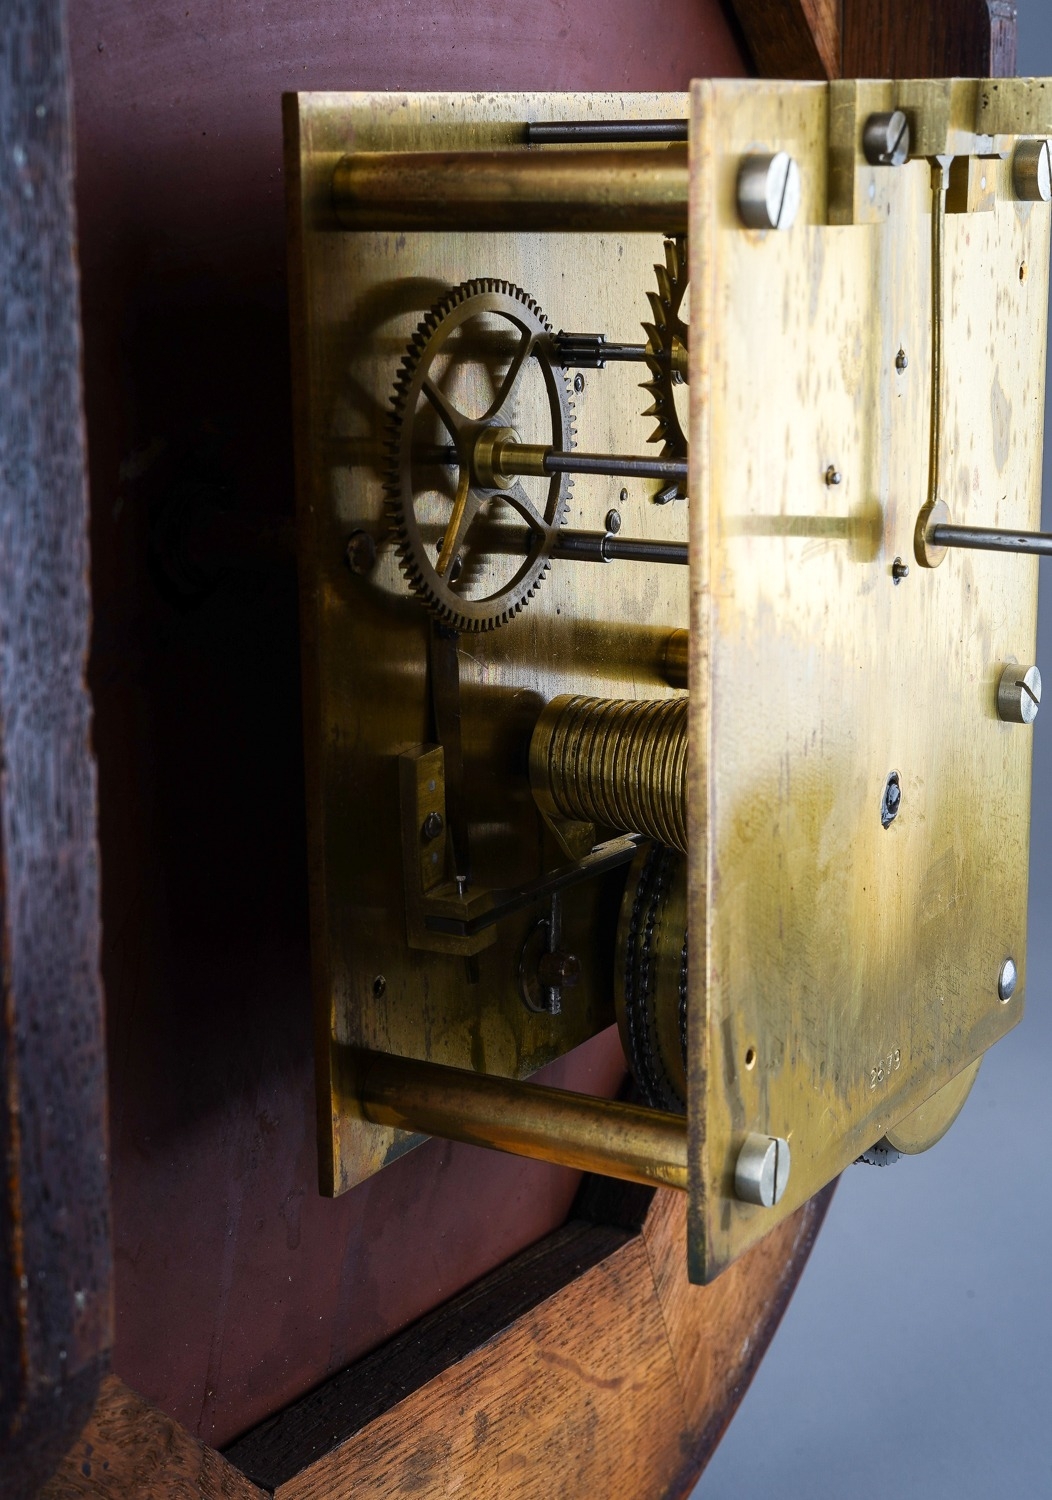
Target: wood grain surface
x=793, y=38
x=132, y=1451
x=962, y=39
x=589, y=1358
x=55, y=1264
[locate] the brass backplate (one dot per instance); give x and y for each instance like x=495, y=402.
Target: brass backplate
x=843, y=971
x=357, y=299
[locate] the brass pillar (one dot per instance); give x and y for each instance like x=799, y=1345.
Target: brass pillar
x=627, y=1141
x=593, y=189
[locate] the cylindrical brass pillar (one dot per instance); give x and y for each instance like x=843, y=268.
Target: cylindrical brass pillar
x=574, y=1130
x=677, y=659
x=619, y=764
x=591, y=188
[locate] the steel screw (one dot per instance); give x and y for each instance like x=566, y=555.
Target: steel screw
x=623, y=497
x=901, y=361
x=613, y=521
x=1007, y=980
x=899, y=570
x=891, y=800
x=769, y=191
x=462, y=885
x=833, y=475
x=557, y=971
x=361, y=552
x=886, y=139
x=433, y=825
x=1019, y=694
x=762, y=1170
x=1032, y=171
x=379, y=986
x=578, y=383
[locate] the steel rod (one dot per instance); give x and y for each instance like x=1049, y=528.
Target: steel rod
x=615, y=132
x=987, y=539
x=591, y=351
x=588, y=189
x=618, y=465
x=534, y=459
x=603, y=547
x=526, y=1119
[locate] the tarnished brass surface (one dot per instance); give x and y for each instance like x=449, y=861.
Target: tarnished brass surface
x=628, y=1141
x=595, y=190
x=357, y=300
x=620, y=764
x=858, y=964
x=926, y=1125
x=677, y=658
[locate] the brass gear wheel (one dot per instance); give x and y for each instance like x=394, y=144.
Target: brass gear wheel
x=667, y=342
x=456, y=581
x=650, y=986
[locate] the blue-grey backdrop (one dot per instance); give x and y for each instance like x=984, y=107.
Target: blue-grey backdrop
x=915, y=1361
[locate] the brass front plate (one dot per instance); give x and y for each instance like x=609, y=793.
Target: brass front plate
x=357, y=299
x=842, y=972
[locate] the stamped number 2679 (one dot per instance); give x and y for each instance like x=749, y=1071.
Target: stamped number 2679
x=884, y=1068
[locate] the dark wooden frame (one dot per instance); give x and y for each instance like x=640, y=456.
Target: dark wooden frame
x=880, y=38
x=523, y=1374
x=55, y=1251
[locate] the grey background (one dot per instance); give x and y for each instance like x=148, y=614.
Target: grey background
x=916, y=1357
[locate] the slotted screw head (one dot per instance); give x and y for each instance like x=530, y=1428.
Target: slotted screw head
x=1019, y=694
x=762, y=1170
x=1032, y=171
x=1007, y=980
x=886, y=139
x=769, y=191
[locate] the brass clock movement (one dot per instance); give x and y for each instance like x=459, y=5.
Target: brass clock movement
x=669, y=470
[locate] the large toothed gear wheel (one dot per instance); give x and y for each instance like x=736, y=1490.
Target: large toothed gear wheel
x=667, y=342
x=461, y=541
x=650, y=976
